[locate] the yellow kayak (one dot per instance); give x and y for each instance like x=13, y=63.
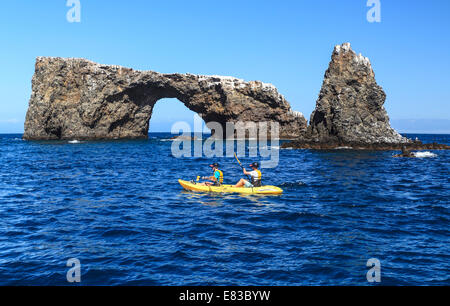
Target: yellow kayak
x=230, y=189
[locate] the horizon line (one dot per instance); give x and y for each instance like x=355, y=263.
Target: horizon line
x=169, y=132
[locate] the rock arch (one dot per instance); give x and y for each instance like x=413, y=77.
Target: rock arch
x=79, y=99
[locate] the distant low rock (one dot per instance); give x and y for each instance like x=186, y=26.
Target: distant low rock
x=181, y=137
x=79, y=99
x=379, y=146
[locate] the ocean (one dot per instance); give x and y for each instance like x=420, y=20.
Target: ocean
x=116, y=207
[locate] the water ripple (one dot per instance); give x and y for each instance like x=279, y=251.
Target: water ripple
x=117, y=207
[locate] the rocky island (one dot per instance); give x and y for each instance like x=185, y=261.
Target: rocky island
x=80, y=99
x=350, y=110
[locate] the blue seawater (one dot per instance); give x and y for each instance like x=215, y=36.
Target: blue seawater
x=117, y=207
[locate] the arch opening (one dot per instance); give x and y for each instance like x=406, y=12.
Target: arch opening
x=167, y=111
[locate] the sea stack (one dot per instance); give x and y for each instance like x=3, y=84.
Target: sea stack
x=80, y=99
x=350, y=109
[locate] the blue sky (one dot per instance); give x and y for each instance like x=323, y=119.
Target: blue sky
x=286, y=43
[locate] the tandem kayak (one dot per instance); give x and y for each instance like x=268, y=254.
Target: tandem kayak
x=192, y=186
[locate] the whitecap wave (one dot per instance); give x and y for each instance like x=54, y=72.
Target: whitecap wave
x=74, y=141
x=424, y=154
x=344, y=148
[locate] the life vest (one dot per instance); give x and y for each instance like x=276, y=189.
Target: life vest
x=257, y=181
x=220, y=176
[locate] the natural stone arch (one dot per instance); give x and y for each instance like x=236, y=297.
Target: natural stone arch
x=79, y=99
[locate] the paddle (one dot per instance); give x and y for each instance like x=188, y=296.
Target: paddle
x=240, y=164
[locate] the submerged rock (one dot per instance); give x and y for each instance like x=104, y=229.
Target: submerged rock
x=79, y=99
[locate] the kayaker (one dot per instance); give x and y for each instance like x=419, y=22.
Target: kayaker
x=255, y=177
x=216, y=179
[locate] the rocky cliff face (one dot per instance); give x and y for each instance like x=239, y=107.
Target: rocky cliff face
x=350, y=105
x=79, y=99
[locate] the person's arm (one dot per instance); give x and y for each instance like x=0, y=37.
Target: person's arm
x=246, y=172
x=210, y=178
x=214, y=178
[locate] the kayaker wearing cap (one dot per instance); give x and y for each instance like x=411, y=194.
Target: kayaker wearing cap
x=255, y=177
x=216, y=179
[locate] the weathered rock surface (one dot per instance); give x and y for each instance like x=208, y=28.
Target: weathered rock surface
x=79, y=99
x=350, y=104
